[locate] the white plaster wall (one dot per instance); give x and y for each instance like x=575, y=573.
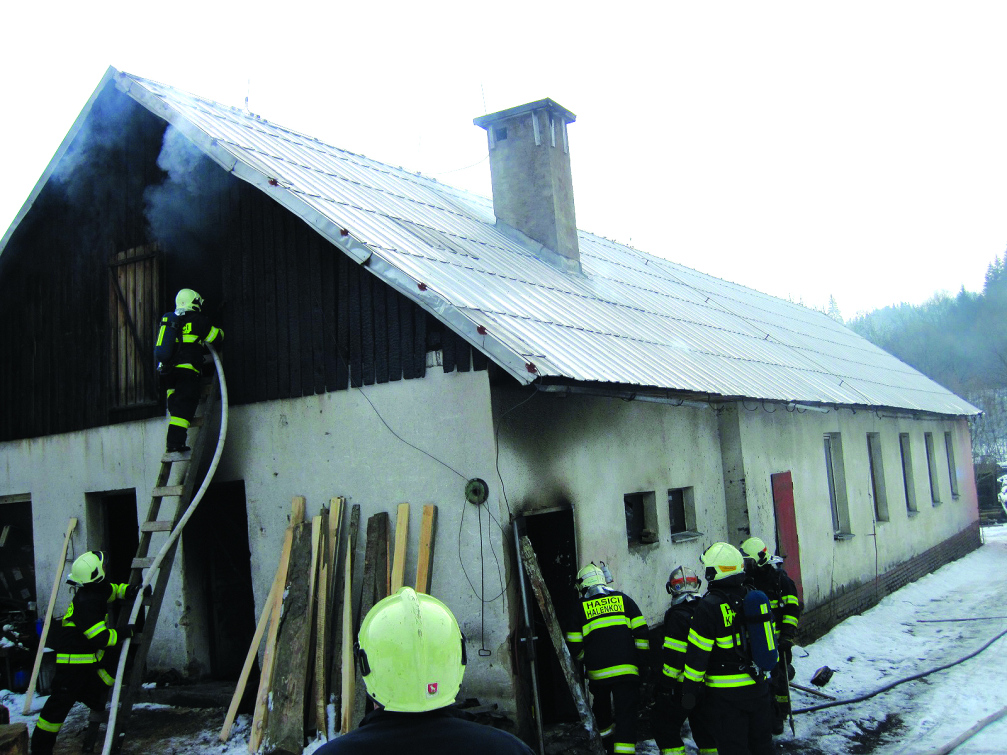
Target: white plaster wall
x=781, y=441
x=319, y=447
x=590, y=452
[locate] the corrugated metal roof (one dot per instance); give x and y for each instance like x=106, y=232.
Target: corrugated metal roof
x=631, y=319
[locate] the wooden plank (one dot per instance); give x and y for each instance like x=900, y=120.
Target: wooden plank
x=374, y=587
x=367, y=327
x=530, y=562
x=401, y=541
x=266, y=676
x=321, y=661
x=253, y=651
x=346, y=670
x=342, y=636
x=424, y=561
x=343, y=321
x=319, y=529
x=48, y=617
x=284, y=728
x=356, y=352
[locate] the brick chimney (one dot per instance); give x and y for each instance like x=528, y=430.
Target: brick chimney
x=532, y=182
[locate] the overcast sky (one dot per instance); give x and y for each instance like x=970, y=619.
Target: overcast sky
x=806, y=149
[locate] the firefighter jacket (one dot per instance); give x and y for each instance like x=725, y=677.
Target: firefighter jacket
x=676, y=640
x=194, y=330
x=782, y=594
x=609, y=634
x=83, y=636
x=436, y=732
x=716, y=653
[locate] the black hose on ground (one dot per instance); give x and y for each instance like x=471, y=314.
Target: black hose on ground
x=896, y=683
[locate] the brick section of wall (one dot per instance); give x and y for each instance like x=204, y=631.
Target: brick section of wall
x=858, y=597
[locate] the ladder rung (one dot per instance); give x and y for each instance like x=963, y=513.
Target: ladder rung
x=155, y=527
x=142, y=563
x=167, y=490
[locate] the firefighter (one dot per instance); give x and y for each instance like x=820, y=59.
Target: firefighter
x=668, y=714
x=182, y=370
x=83, y=644
x=719, y=665
x=766, y=573
x=411, y=655
x=609, y=634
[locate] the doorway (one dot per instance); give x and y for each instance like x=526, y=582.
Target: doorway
x=112, y=527
x=553, y=537
x=787, y=545
x=217, y=583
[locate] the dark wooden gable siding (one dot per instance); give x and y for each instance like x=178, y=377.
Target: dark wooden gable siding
x=300, y=317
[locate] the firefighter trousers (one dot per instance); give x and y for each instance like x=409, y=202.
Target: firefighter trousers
x=70, y=684
x=667, y=719
x=739, y=719
x=183, y=398
x=616, y=705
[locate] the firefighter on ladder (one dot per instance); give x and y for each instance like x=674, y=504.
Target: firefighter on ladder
x=83, y=644
x=182, y=365
x=767, y=574
x=610, y=635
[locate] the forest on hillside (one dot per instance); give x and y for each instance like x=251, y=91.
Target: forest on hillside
x=960, y=342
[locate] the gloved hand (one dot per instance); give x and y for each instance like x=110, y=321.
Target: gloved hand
x=127, y=632
x=132, y=590
x=786, y=643
x=688, y=701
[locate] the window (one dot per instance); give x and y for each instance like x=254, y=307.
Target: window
x=935, y=494
x=641, y=518
x=907, y=472
x=877, y=465
x=836, y=476
x=134, y=294
x=682, y=514
x=949, y=445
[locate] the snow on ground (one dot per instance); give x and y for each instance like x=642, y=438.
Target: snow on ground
x=898, y=638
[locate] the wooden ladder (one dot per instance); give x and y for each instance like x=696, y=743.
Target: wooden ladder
x=181, y=489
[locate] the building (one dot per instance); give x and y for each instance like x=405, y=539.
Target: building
x=389, y=338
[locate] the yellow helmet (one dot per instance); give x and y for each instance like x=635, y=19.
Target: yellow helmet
x=756, y=550
x=88, y=568
x=187, y=300
x=722, y=560
x=411, y=653
x=590, y=576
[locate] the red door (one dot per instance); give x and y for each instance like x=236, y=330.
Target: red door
x=787, y=545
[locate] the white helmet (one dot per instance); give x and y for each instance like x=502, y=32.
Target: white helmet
x=89, y=567
x=187, y=300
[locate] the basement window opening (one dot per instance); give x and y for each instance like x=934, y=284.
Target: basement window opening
x=682, y=514
x=641, y=518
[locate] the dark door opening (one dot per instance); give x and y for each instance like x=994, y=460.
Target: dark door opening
x=553, y=537
x=120, y=534
x=17, y=556
x=218, y=583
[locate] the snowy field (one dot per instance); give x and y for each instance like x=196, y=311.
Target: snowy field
x=908, y=633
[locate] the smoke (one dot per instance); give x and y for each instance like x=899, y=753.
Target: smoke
x=185, y=212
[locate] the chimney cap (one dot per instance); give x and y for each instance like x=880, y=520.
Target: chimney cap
x=485, y=121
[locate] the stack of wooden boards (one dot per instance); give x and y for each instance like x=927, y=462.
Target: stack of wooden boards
x=312, y=621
